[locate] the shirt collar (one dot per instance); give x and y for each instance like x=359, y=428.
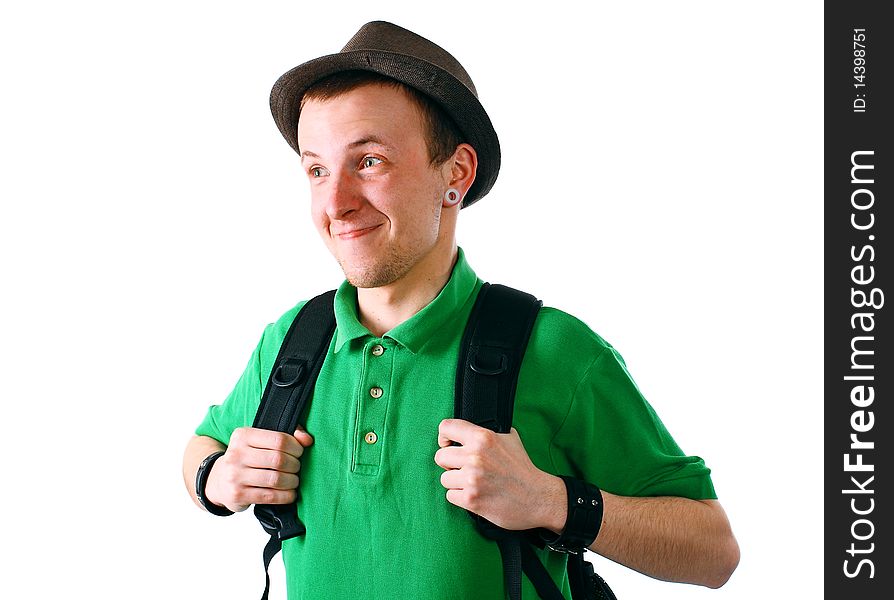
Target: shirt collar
x=421, y=327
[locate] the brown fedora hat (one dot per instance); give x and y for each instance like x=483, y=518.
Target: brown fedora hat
x=395, y=52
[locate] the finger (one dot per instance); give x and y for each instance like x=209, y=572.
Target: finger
x=273, y=480
x=267, y=440
x=269, y=496
x=456, y=430
x=451, y=457
x=443, y=440
x=457, y=498
x=453, y=479
x=304, y=438
x=274, y=460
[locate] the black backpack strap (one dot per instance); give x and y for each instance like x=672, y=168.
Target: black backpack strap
x=493, y=347
x=490, y=358
x=288, y=390
x=491, y=354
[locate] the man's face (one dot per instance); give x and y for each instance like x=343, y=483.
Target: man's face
x=376, y=199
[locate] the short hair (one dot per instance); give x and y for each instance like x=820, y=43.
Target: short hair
x=443, y=135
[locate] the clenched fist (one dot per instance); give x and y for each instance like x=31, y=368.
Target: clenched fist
x=491, y=475
x=259, y=467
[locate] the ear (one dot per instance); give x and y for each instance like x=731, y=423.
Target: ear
x=463, y=167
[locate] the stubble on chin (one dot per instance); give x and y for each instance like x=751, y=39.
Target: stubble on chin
x=375, y=273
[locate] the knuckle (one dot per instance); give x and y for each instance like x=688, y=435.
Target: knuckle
x=266, y=497
x=473, y=491
x=240, y=496
x=276, y=461
x=270, y=479
x=234, y=452
x=286, y=443
x=483, y=438
x=236, y=437
x=476, y=480
x=276, y=441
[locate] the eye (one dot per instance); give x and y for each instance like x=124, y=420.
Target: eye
x=370, y=161
x=317, y=172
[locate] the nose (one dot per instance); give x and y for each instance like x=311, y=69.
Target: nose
x=342, y=195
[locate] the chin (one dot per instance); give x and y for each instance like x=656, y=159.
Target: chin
x=367, y=279
x=373, y=275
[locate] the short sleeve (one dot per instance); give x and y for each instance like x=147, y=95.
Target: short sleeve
x=241, y=405
x=614, y=438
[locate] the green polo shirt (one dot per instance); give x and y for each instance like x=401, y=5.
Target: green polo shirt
x=378, y=523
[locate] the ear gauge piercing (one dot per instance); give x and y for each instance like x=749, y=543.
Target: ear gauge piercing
x=452, y=197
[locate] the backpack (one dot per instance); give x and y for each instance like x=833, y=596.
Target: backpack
x=493, y=345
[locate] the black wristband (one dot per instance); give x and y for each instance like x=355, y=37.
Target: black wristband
x=584, y=518
x=202, y=481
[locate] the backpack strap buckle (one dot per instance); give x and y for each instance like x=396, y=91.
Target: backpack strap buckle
x=489, y=361
x=289, y=372
x=279, y=521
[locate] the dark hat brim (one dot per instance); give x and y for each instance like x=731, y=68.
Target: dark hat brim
x=454, y=97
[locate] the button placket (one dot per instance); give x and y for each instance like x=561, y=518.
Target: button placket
x=374, y=397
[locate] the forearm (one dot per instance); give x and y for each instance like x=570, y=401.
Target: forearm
x=198, y=448
x=669, y=538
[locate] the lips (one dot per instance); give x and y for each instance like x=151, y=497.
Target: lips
x=354, y=232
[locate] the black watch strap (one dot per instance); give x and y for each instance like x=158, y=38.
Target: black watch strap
x=584, y=518
x=202, y=481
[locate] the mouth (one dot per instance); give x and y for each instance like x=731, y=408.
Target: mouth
x=356, y=233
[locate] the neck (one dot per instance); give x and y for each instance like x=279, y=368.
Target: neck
x=383, y=308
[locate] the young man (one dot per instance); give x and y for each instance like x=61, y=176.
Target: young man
x=394, y=142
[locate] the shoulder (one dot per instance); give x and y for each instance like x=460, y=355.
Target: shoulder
x=557, y=330
x=562, y=348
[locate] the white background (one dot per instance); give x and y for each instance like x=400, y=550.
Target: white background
x=661, y=180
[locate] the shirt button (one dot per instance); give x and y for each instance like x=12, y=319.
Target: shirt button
x=371, y=437
x=375, y=392
x=378, y=350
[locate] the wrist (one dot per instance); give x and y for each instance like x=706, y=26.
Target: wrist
x=556, y=505
x=202, y=475
x=583, y=518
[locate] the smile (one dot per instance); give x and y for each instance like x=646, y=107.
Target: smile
x=355, y=233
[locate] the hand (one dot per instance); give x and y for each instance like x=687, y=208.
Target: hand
x=491, y=475
x=259, y=467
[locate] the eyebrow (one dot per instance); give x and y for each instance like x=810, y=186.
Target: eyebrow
x=364, y=141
